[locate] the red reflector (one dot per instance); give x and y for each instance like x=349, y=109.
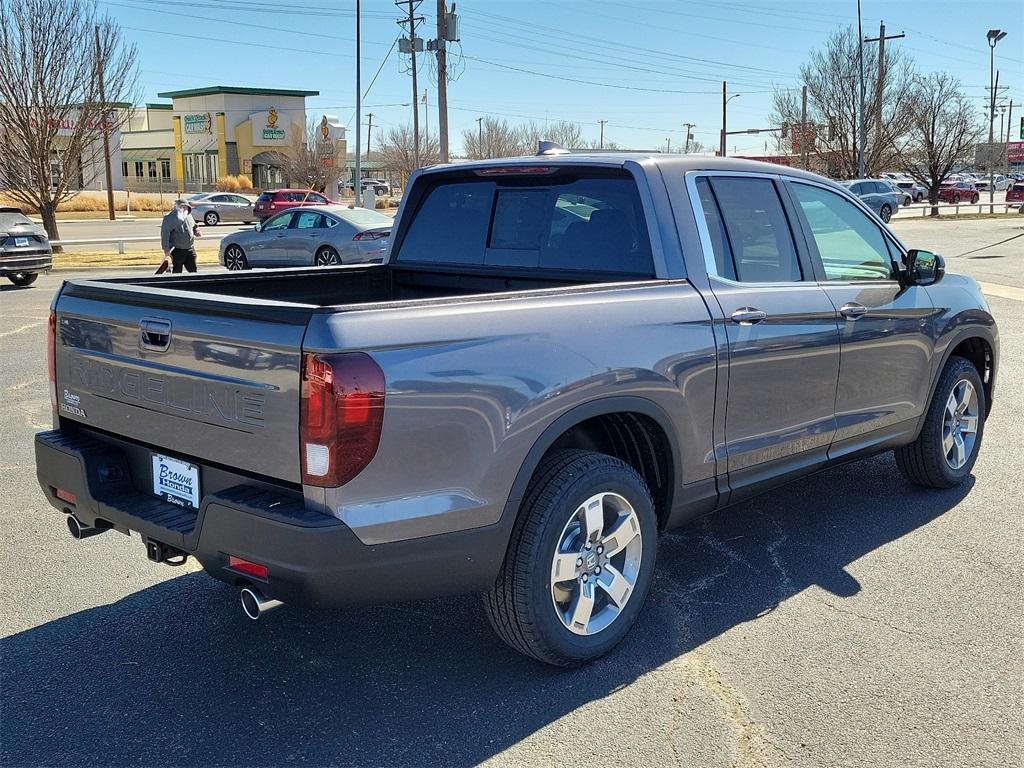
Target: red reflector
x=247, y=567
x=67, y=496
x=513, y=170
x=51, y=359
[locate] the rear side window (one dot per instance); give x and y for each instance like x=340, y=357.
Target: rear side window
x=265, y=197
x=755, y=232
x=593, y=224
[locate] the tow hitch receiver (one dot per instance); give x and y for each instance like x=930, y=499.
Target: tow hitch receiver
x=159, y=552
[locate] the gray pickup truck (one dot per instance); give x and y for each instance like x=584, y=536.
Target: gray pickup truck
x=561, y=357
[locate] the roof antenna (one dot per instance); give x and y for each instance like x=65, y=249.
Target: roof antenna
x=546, y=147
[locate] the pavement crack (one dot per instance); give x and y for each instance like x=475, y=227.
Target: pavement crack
x=894, y=627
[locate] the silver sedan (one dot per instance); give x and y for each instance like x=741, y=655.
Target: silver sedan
x=311, y=235
x=215, y=207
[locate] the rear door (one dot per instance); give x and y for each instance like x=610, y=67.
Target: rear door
x=884, y=326
x=781, y=330
x=300, y=242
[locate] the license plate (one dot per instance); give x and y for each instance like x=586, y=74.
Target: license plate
x=176, y=481
x=20, y=242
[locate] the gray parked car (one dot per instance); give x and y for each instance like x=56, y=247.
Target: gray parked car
x=213, y=208
x=24, y=247
x=876, y=194
x=916, y=191
x=313, y=235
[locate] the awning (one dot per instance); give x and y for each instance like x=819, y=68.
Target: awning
x=142, y=155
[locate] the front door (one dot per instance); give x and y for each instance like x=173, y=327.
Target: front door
x=783, y=339
x=883, y=325
x=267, y=248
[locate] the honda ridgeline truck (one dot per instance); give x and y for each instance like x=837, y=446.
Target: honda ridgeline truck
x=561, y=357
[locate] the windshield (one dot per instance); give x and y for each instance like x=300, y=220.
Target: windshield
x=363, y=217
x=14, y=220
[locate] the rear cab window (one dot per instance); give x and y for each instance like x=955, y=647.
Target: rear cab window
x=575, y=220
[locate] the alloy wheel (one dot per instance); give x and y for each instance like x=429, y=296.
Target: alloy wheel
x=326, y=257
x=211, y=219
x=234, y=259
x=960, y=424
x=596, y=563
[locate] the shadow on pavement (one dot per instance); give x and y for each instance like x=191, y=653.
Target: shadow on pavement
x=175, y=674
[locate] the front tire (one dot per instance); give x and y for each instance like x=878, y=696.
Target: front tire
x=23, y=279
x=211, y=218
x=235, y=259
x=580, y=560
x=885, y=213
x=944, y=453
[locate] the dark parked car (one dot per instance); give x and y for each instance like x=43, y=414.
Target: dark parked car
x=876, y=195
x=276, y=200
x=560, y=358
x=24, y=247
x=958, y=192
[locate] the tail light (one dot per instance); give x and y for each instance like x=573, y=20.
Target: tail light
x=372, y=235
x=51, y=359
x=341, y=416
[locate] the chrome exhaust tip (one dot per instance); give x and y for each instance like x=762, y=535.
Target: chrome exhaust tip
x=255, y=603
x=80, y=530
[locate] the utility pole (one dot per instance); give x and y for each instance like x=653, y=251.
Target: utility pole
x=601, y=142
x=480, y=136
x=103, y=118
x=860, y=116
x=803, y=128
x=369, y=130
x=993, y=36
x=1009, y=121
x=357, y=181
x=442, y=79
x=721, y=146
x=668, y=146
x=689, y=127
x=880, y=83
x=411, y=21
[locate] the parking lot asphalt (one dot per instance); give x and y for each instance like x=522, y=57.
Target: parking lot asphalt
x=848, y=619
x=990, y=250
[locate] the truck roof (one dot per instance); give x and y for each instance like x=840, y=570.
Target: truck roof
x=617, y=159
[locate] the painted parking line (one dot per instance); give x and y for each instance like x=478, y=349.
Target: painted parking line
x=1002, y=291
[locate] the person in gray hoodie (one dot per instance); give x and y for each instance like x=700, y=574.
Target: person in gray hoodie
x=178, y=234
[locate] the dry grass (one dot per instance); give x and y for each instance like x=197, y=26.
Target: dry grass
x=239, y=183
x=151, y=257
x=96, y=202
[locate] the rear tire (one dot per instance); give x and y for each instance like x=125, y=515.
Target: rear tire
x=23, y=279
x=588, y=518
x=932, y=460
x=235, y=259
x=326, y=257
x=956, y=199
x=886, y=213
x=211, y=218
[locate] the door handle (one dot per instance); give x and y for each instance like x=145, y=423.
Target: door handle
x=748, y=315
x=853, y=309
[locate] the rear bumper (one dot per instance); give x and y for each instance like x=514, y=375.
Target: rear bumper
x=312, y=559
x=31, y=262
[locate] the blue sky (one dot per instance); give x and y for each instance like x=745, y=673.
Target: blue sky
x=651, y=65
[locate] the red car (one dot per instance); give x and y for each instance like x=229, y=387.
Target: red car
x=1015, y=193
x=274, y=201
x=958, y=192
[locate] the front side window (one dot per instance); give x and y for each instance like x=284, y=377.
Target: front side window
x=281, y=221
x=851, y=246
x=757, y=237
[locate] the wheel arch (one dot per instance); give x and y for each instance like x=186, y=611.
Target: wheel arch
x=976, y=344
x=633, y=429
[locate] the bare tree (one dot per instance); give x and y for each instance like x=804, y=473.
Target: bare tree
x=943, y=132
x=309, y=160
x=831, y=77
x=492, y=137
x=396, y=150
x=52, y=116
x=564, y=133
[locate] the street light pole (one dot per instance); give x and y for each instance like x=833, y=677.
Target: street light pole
x=860, y=117
x=993, y=36
x=357, y=182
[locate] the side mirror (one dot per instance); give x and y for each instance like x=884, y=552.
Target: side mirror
x=259, y=226
x=924, y=267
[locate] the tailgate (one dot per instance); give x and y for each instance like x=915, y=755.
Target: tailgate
x=189, y=378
